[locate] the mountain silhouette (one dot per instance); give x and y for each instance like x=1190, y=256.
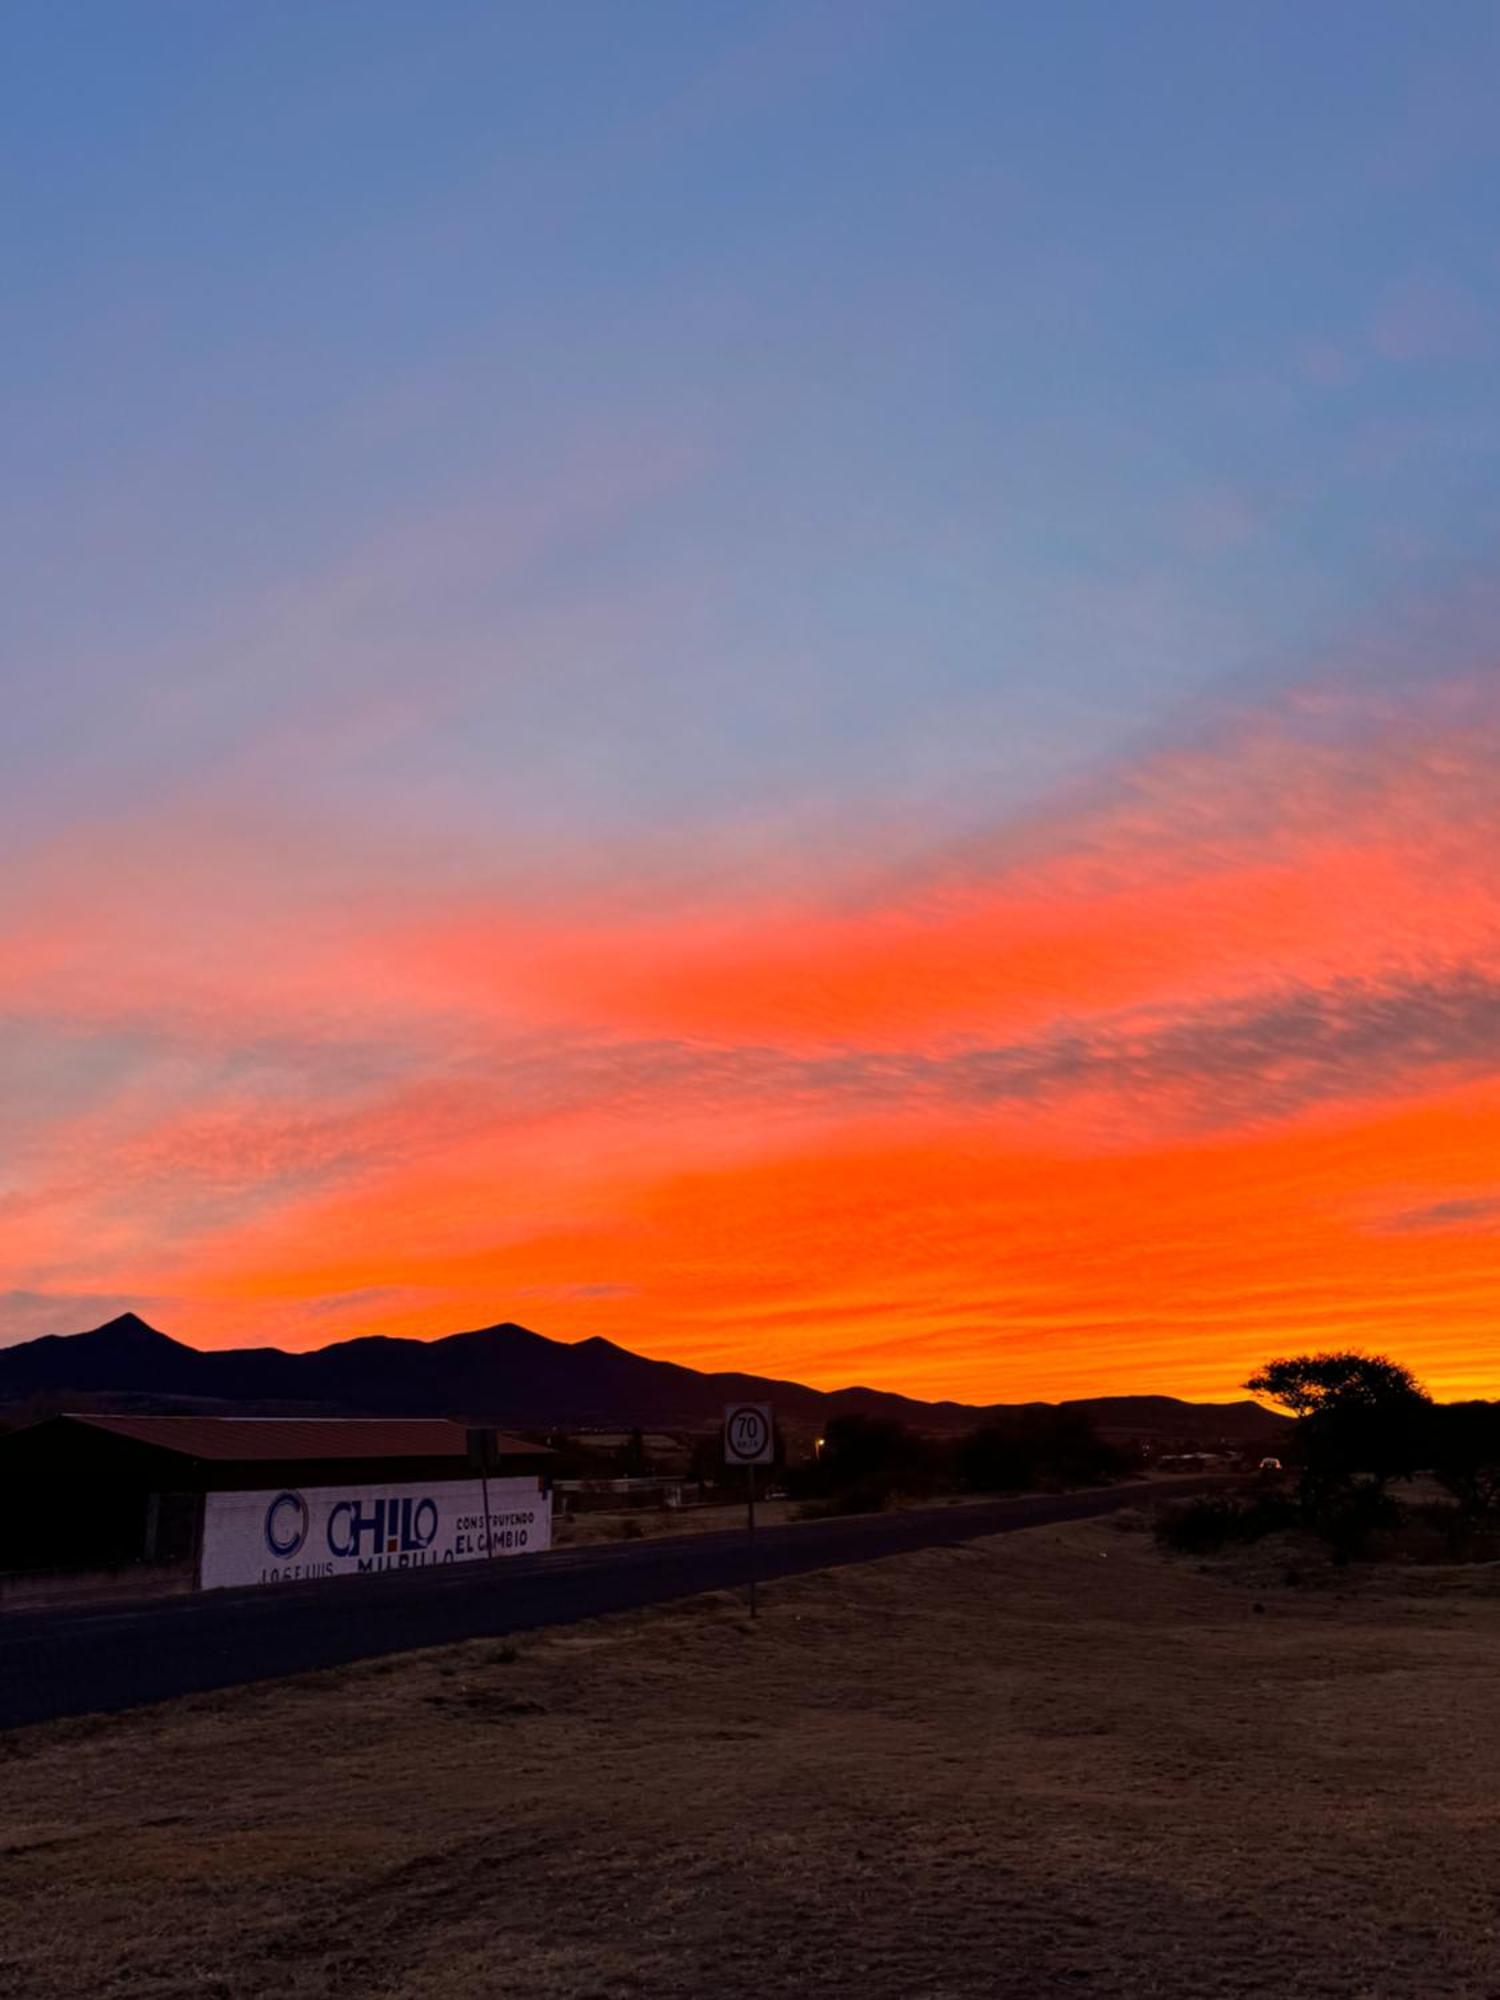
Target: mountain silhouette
x=508, y=1375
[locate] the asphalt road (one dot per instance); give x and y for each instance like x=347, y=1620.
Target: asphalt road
x=89, y=1660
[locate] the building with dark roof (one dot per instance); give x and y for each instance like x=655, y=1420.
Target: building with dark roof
x=95, y=1492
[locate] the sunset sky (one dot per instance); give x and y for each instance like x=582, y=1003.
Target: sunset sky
x=817, y=686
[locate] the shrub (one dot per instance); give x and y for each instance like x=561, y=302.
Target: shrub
x=1350, y=1516
x=1202, y=1527
x=870, y=1497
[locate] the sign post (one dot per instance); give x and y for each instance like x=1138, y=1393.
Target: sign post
x=749, y=1440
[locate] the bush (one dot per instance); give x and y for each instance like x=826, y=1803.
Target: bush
x=1203, y=1527
x=1350, y=1516
x=870, y=1498
x=1438, y=1531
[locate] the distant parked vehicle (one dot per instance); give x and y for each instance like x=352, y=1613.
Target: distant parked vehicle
x=1270, y=1465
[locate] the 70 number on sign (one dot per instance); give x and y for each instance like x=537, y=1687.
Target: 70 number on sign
x=748, y=1438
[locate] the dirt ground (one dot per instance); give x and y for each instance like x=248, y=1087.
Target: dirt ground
x=1048, y=1763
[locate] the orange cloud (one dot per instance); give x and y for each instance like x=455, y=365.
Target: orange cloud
x=1125, y=1095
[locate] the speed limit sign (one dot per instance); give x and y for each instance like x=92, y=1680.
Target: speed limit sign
x=748, y=1437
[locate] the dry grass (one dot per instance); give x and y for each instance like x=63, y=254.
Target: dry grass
x=654, y=1523
x=651, y=1523
x=1054, y=1762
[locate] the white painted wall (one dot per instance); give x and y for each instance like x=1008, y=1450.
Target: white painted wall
x=316, y=1531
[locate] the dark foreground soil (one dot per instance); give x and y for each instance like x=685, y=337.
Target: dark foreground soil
x=1054, y=1762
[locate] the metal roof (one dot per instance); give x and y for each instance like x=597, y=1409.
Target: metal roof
x=235, y=1438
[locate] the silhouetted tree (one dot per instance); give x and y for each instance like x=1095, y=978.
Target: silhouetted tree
x=1465, y=1454
x=1310, y=1384
x=1036, y=1448
x=1362, y=1421
x=1357, y=1413
x=873, y=1458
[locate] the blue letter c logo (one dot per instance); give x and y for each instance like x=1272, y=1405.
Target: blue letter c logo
x=286, y=1524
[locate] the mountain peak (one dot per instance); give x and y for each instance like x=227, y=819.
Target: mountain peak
x=505, y=1333
x=127, y=1326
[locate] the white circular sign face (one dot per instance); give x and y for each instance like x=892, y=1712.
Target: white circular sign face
x=747, y=1434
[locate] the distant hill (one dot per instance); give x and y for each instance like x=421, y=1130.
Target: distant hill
x=511, y=1376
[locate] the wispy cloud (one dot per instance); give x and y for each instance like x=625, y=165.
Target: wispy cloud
x=395, y=1087
x=1454, y=1212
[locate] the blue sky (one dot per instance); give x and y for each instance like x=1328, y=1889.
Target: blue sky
x=717, y=406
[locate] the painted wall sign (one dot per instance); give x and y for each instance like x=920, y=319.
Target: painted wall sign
x=316, y=1531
